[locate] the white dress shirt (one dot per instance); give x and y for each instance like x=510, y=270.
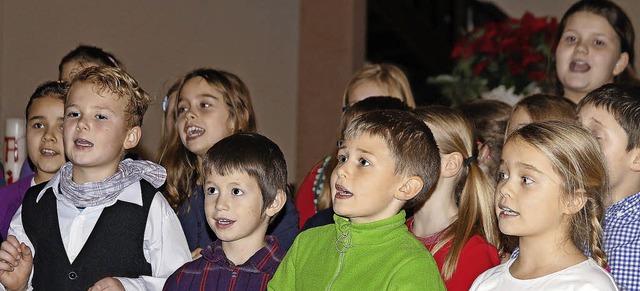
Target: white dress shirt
x=165, y=246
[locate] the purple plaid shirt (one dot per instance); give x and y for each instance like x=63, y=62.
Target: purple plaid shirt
x=213, y=271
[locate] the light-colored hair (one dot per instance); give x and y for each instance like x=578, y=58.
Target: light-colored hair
x=167, y=135
x=576, y=157
x=118, y=82
x=384, y=75
x=474, y=194
x=541, y=107
x=181, y=164
x=410, y=142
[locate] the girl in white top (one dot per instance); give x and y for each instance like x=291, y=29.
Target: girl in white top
x=552, y=185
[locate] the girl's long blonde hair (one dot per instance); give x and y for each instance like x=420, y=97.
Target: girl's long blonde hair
x=385, y=75
x=474, y=193
x=181, y=164
x=576, y=157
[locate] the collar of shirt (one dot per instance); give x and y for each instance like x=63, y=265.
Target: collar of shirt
x=260, y=262
x=126, y=196
x=624, y=207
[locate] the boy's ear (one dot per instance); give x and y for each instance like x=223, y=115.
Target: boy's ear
x=621, y=64
x=577, y=202
x=133, y=137
x=635, y=164
x=451, y=164
x=411, y=186
x=277, y=204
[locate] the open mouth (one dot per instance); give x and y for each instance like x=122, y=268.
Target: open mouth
x=579, y=66
x=342, y=192
x=83, y=143
x=224, y=223
x=506, y=211
x=194, y=131
x=48, y=152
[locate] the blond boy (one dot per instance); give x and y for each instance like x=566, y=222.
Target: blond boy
x=100, y=221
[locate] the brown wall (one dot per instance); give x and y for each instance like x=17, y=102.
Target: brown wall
x=158, y=41
x=332, y=46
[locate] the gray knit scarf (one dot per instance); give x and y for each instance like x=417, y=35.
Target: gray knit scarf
x=103, y=192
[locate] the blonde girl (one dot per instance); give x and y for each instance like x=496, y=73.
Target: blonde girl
x=457, y=223
x=211, y=105
x=594, y=46
x=551, y=195
x=378, y=80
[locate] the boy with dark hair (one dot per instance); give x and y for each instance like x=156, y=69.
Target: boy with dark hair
x=245, y=188
x=100, y=222
x=612, y=114
x=388, y=160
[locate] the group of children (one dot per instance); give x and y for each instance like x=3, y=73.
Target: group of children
x=426, y=198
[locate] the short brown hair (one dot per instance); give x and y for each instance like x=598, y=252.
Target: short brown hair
x=621, y=101
x=410, y=141
x=253, y=154
x=118, y=82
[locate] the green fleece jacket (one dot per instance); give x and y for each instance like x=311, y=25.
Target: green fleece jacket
x=381, y=255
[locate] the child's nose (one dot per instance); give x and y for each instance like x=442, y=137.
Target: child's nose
x=582, y=47
x=341, y=170
x=50, y=134
x=82, y=124
x=222, y=203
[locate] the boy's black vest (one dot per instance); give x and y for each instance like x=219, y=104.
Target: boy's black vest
x=114, y=247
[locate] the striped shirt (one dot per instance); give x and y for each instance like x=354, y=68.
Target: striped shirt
x=214, y=271
x=621, y=236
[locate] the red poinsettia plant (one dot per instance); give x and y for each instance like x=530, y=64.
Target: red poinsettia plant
x=514, y=54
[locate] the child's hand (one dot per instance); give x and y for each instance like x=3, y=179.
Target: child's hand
x=108, y=283
x=16, y=262
x=196, y=253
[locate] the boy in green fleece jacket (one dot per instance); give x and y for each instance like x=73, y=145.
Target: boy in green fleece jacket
x=386, y=159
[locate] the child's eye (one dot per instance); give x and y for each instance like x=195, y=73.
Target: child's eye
x=570, y=38
x=236, y=192
x=181, y=109
x=205, y=105
x=212, y=190
x=38, y=125
x=342, y=159
x=502, y=176
x=101, y=117
x=73, y=114
x=364, y=162
x=598, y=42
x=527, y=180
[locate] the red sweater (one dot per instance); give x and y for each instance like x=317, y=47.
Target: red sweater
x=476, y=256
x=305, y=197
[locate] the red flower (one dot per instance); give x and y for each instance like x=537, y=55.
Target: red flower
x=537, y=75
x=479, y=67
x=513, y=52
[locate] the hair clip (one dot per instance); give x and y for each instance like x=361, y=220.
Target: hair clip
x=469, y=160
x=165, y=103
